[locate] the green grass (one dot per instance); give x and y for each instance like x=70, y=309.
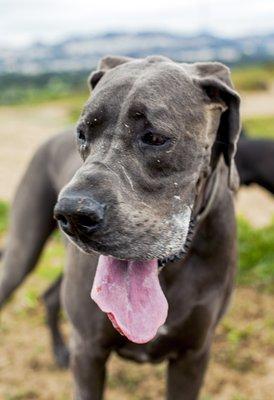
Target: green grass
x=260, y=126
x=256, y=255
x=4, y=211
x=54, y=257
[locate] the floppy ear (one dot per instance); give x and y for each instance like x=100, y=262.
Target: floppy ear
x=215, y=80
x=105, y=64
x=110, y=62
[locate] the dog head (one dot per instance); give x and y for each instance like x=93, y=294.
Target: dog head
x=148, y=133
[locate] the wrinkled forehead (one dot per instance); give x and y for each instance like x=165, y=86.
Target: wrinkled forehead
x=160, y=88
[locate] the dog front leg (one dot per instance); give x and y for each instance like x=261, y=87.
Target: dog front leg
x=185, y=375
x=31, y=224
x=89, y=371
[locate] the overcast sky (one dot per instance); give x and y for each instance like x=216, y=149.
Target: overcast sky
x=23, y=21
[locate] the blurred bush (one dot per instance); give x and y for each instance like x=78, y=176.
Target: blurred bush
x=253, y=77
x=22, y=88
x=262, y=126
x=18, y=88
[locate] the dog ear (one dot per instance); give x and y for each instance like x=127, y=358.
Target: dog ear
x=215, y=80
x=110, y=62
x=105, y=64
x=94, y=78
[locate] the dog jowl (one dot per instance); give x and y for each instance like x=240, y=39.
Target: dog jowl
x=147, y=137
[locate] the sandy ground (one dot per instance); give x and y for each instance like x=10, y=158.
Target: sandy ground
x=241, y=366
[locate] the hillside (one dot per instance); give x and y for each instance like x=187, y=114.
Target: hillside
x=83, y=52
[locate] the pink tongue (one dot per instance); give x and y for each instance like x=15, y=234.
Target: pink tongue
x=130, y=293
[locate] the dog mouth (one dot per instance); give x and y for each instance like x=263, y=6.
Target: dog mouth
x=129, y=292
x=131, y=295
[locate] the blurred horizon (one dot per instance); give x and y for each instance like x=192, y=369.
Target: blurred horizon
x=47, y=21
x=82, y=52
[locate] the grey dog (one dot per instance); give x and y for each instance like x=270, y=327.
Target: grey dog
x=158, y=141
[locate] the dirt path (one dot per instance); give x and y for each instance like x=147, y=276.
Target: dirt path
x=259, y=103
x=22, y=129
x=256, y=205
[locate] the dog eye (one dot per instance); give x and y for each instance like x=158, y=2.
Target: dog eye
x=81, y=136
x=154, y=139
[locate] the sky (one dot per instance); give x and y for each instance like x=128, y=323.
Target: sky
x=25, y=21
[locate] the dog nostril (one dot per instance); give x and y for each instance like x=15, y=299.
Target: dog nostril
x=76, y=215
x=87, y=223
x=64, y=223
x=62, y=219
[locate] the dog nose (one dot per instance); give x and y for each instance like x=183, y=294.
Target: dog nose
x=79, y=215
